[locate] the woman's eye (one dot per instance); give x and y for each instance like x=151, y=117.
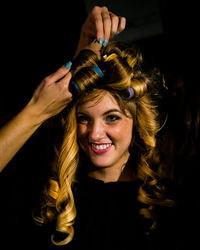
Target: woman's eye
x=112, y=118
x=82, y=119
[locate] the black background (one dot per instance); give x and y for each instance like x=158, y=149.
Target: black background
x=36, y=39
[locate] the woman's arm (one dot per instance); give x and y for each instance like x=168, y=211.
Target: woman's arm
x=52, y=95
x=50, y=98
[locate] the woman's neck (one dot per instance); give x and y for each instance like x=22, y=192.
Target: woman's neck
x=125, y=172
x=105, y=174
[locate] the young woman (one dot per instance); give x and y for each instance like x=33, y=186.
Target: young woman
x=106, y=175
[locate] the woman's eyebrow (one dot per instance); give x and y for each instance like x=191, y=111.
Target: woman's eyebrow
x=112, y=110
x=105, y=113
x=80, y=113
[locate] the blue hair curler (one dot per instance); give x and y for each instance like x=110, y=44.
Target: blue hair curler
x=97, y=70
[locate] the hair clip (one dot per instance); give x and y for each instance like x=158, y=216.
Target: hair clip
x=132, y=62
x=129, y=93
x=110, y=57
x=97, y=70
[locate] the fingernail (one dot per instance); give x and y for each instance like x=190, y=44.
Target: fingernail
x=105, y=43
x=68, y=65
x=100, y=40
x=117, y=33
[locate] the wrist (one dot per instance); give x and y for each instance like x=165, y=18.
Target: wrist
x=33, y=114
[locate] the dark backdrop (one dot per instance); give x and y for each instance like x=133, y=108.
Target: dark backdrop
x=38, y=38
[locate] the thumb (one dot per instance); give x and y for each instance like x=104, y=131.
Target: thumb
x=60, y=73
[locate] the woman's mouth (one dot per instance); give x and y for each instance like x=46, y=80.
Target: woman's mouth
x=100, y=148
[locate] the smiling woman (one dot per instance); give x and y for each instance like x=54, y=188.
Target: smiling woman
x=101, y=127
x=110, y=137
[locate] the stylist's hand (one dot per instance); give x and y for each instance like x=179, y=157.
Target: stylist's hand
x=101, y=24
x=52, y=95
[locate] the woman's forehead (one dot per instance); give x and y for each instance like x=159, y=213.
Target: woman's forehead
x=103, y=101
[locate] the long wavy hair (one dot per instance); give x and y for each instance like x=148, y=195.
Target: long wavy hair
x=119, y=72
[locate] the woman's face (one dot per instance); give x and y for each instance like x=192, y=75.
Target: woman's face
x=104, y=132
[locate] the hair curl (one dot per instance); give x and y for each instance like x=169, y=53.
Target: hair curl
x=119, y=73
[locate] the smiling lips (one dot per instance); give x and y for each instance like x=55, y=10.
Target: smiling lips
x=100, y=148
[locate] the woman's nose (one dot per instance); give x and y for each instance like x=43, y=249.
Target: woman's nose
x=96, y=131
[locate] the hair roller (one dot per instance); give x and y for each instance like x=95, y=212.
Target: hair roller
x=128, y=94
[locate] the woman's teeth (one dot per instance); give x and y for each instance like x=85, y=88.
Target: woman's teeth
x=102, y=146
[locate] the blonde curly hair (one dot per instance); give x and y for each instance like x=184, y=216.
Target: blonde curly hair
x=121, y=68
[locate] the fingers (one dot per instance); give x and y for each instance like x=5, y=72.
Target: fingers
x=64, y=83
x=107, y=24
x=62, y=79
x=122, y=24
x=60, y=73
x=103, y=24
x=112, y=25
x=118, y=24
x=96, y=23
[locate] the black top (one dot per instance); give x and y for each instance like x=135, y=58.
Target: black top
x=108, y=218
x=107, y=215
